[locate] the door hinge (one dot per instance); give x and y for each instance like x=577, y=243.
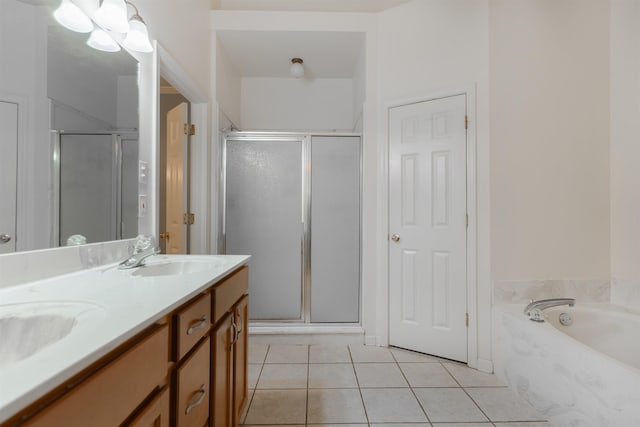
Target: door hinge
x=188, y=218
x=189, y=129
x=467, y=220
x=466, y=122
x=466, y=317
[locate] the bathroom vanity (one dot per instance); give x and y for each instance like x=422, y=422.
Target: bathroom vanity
x=160, y=345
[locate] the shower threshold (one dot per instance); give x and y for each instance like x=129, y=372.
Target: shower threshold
x=307, y=333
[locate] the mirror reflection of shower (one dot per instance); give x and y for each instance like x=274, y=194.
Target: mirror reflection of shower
x=95, y=186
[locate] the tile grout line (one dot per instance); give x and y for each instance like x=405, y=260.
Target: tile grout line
x=244, y=419
x=411, y=388
x=364, y=407
x=468, y=395
x=306, y=408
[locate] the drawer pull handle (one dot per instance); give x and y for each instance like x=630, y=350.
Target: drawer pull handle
x=199, y=324
x=240, y=321
x=198, y=400
x=235, y=334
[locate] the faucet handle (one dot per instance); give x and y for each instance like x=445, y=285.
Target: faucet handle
x=143, y=243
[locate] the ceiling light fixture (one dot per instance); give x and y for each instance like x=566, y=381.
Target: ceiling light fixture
x=111, y=16
x=297, y=70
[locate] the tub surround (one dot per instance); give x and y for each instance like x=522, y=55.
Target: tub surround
x=626, y=293
x=118, y=304
x=522, y=291
x=564, y=379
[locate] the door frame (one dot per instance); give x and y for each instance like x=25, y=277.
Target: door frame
x=472, y=232
x=200, y=200
x=23, y=208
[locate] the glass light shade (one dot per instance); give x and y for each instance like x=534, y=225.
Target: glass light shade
x=137, y=38
x=72, y=17
x=112, y=15
x=101, y=40
x=297, y=70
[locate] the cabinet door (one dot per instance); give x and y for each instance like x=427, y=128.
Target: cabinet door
x=222, y=372
x=156, y=414
x=192, y=388
x=240, y=390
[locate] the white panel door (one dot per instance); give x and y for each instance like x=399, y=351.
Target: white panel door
x=8, y=175
x=427, y=226
x=177, y=180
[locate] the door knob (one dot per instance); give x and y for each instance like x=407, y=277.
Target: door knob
x=5, y=238
x=165, y=235
x=395, y=238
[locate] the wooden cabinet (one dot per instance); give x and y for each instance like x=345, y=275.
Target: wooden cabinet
x=109, y=396
x=222, y=372
x=187, y=370
x=229, y=356
x=192, y=388
x=240, y=358
x=156, y=413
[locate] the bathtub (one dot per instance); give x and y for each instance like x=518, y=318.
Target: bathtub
x=585, y=374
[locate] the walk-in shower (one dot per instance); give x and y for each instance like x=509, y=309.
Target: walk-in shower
x=292, y=201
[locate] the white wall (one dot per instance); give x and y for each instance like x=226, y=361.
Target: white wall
x=625, y=146
x=359, y=91
x=127, y=103
x=23, y=73
x=182, y=27
x=228, y=86
x=549, y=64
x=428, y=46
x=296, y=104
x=86, y=85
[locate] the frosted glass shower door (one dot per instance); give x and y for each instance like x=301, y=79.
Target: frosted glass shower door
x=335, y=229
x=263, y=218
x=88, y=187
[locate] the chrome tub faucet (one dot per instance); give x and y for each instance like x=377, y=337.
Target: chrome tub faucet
x=534, y=308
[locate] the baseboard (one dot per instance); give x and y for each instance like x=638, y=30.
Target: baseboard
x=484, y=365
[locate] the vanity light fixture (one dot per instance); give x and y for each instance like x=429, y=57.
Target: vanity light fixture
x=297, y=70
x=72, y=17
x=101, y=40
x=111, y=16
x=137, y=38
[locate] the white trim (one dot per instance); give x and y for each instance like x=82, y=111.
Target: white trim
x=172, y=71
x=23, y=211
x=382, y=326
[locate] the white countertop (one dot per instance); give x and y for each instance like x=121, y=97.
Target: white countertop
x=115, y=305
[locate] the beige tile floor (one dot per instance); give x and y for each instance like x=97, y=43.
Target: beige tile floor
x=358, y=386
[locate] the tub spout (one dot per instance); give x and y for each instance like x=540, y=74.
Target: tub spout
x=534, y=309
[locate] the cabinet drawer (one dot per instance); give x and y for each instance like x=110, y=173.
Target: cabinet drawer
x=191, y=324
x=156, y=413
x=110, y=395
x=192, y=388
x=227, y=292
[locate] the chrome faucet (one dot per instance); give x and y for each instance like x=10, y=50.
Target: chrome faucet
x=143, y=249
x=534, y=308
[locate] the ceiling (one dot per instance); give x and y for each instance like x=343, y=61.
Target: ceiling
x=269, y=53
x=308, y=5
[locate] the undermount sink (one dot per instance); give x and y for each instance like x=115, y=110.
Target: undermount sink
x=27, y=328
x=175, y=267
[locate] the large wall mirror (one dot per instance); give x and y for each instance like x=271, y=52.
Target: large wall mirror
x=69, y=116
